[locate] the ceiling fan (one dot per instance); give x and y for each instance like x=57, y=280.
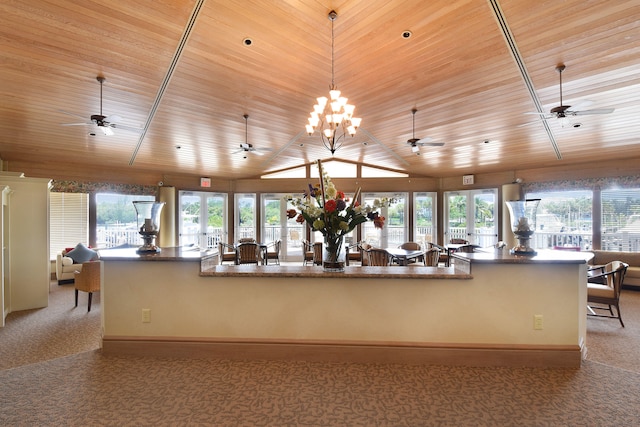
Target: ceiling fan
x=416, y=143
x=245, y=147
x=104, y=123
x=563, y=112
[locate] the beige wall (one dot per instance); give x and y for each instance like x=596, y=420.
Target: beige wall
x=477, y=311
x=556, y=171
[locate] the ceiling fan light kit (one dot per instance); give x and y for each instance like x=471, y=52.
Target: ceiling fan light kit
x=332, y=117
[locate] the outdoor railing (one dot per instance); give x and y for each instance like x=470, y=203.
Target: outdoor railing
x=111, y=237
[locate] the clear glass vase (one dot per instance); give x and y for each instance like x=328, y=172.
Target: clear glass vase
x=148, y=219
x=333, y=253
x=523, y=224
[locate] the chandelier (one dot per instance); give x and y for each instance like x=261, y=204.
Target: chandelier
x=332, y=117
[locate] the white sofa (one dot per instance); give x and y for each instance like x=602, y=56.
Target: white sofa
x=66, y=266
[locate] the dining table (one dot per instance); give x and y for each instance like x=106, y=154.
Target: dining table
x=404, y=255
x=451, y=248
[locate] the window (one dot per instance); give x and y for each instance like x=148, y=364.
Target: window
x=395, y=230
x=563, y=219
x=245, y=216
x=470, y=215
x=68, y=221
x=424, y=211
x=116, y=220
x=621, y=220
x=202, y=227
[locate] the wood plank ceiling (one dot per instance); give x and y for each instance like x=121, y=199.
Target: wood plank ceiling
x=181, y=71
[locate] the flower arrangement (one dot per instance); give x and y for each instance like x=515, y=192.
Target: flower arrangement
x=330, y=212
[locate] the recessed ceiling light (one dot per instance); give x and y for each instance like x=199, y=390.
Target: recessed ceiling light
x=247, y=41
x=406, y=34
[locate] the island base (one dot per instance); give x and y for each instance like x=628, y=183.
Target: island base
x=555, y=356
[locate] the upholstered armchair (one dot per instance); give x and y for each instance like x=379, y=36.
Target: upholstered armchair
x=70, y=260
x=88, y=280
x=603, y=288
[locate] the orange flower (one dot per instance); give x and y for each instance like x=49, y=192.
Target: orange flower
x=330, y=205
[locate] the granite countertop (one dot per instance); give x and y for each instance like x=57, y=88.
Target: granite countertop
x=354, y=272
x=165, y=254
x=543, y=256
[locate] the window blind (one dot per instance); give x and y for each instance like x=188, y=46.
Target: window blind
x=68, y=221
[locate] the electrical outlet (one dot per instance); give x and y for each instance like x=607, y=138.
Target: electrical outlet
x=538, y=322
x=146, y=315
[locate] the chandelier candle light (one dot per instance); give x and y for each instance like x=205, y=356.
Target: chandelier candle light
x=329, y=211
x=332, y=116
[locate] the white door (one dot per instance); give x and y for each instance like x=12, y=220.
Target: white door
x=276, y=225
x=202, y=218
x=470, y=215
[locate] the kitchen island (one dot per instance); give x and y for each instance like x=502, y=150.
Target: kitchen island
x=478, y=312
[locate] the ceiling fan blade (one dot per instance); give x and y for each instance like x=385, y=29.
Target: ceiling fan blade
x=596, y=111
x=531, y=123
x=545, y=115
x=73, y=114
x=430, y=144
x=125, y=127
x=112, y=119
x=76, y=124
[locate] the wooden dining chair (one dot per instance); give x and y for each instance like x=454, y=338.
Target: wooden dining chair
x=354, y=252
x=443, y=256
x=307, y=252
x=412, y=246
x=432, y=257
x=378, y=257
x=247, y=253
x=226, y=253
x=317, y=253
x=273, y=252
x=459, y=241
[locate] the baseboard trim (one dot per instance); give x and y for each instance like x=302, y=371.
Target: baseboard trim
x=358, y=352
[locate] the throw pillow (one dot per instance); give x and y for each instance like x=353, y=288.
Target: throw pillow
x=66, y=261
x=81, y=254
